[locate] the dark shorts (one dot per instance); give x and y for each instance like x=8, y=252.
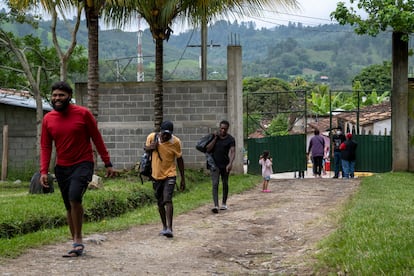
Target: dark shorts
x=164, y=190
x=73, y=181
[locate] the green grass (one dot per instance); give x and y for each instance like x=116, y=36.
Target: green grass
x=375, y=234
x=21, y=211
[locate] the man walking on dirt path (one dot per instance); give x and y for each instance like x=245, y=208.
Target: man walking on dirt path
x=166, y=149
x=222, y=148
x=71, y=128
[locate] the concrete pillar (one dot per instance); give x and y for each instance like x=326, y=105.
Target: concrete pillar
x=235, y=102
x=410, y=125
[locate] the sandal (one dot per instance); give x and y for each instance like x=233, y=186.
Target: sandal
x=76, y=251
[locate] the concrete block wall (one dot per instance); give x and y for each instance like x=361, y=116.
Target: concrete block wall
x=126, y=116
x=21, y=122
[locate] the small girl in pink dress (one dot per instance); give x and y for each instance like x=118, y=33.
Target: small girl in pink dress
x=266, y=162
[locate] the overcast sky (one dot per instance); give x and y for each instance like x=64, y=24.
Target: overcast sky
x=313, y=12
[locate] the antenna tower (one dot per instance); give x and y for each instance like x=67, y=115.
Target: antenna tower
x=140, y=57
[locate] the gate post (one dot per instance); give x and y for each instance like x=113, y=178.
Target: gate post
x=235, y=102
x=5, y=157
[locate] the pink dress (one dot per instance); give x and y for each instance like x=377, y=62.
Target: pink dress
x=266, y=168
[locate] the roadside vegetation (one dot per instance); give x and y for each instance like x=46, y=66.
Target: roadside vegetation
x=31, y=220
x=375, y=230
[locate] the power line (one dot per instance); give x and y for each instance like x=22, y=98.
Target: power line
x=271, y=20
x=182, y=55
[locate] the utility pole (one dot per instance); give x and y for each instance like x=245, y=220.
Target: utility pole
x=204, y=49
x=203, y=56
x=140, y=57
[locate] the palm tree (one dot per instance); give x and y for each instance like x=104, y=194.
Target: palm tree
x=160, y=15
x=92, y=11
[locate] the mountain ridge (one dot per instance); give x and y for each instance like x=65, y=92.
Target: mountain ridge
x=284, y=52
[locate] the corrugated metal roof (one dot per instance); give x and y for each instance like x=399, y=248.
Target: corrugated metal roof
x=21, y=99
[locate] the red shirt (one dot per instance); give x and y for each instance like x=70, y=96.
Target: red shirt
x=72, y=131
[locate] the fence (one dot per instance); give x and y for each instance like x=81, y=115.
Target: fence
x=374, y=153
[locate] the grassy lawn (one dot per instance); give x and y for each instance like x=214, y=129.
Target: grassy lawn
x=375, y=234
x=123, y=203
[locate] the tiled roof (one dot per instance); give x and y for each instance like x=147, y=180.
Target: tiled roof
x=321, y=123
x=368, y=114
x=257, y=134
x=20, y=98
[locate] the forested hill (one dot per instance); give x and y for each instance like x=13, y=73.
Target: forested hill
x=285, y=51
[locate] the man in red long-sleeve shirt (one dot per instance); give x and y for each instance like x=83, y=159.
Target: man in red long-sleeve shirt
x=71, y=127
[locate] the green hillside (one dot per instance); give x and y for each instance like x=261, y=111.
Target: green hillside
x=284, y=51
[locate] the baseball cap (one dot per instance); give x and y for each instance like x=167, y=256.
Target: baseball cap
x=349, y=136
x=167, y=127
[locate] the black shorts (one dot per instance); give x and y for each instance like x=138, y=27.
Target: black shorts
x=164, y=190
x=73, y=181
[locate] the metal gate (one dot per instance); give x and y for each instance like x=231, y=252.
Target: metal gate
x=374, y=153
x=288, y=153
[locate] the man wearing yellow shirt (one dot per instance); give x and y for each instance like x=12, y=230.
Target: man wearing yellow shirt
x=166, y=153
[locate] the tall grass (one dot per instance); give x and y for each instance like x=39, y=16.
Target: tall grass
x=375, y=234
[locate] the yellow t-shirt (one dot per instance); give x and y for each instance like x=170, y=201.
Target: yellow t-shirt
x=169, y=151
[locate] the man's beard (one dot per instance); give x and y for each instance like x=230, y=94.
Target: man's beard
x=64, y=105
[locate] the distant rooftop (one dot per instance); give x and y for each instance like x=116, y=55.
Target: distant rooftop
x=369, y=114
x=20, y=98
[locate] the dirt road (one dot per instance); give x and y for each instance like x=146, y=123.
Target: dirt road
x=261, y=234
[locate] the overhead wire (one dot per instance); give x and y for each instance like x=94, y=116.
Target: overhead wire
x=182, y=54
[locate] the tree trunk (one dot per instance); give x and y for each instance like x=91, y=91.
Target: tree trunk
x=92, y=19
x=399, y=103
x=159, y=87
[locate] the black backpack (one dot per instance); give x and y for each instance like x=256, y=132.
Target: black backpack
x=145, y=164
x=203, y=142
x=37, y=188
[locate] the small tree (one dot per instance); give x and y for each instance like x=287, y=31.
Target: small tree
x=377, y=76
x=22, y=50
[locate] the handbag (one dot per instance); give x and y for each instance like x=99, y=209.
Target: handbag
x=203, y=142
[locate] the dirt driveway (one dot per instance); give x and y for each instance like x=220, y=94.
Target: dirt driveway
x=261, y=233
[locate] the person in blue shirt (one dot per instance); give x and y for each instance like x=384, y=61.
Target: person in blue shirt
x=337, y=139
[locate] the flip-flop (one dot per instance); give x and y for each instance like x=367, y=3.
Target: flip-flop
x=75, y=252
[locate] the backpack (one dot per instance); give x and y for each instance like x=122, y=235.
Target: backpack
x=145, y=164
x=37, y=188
